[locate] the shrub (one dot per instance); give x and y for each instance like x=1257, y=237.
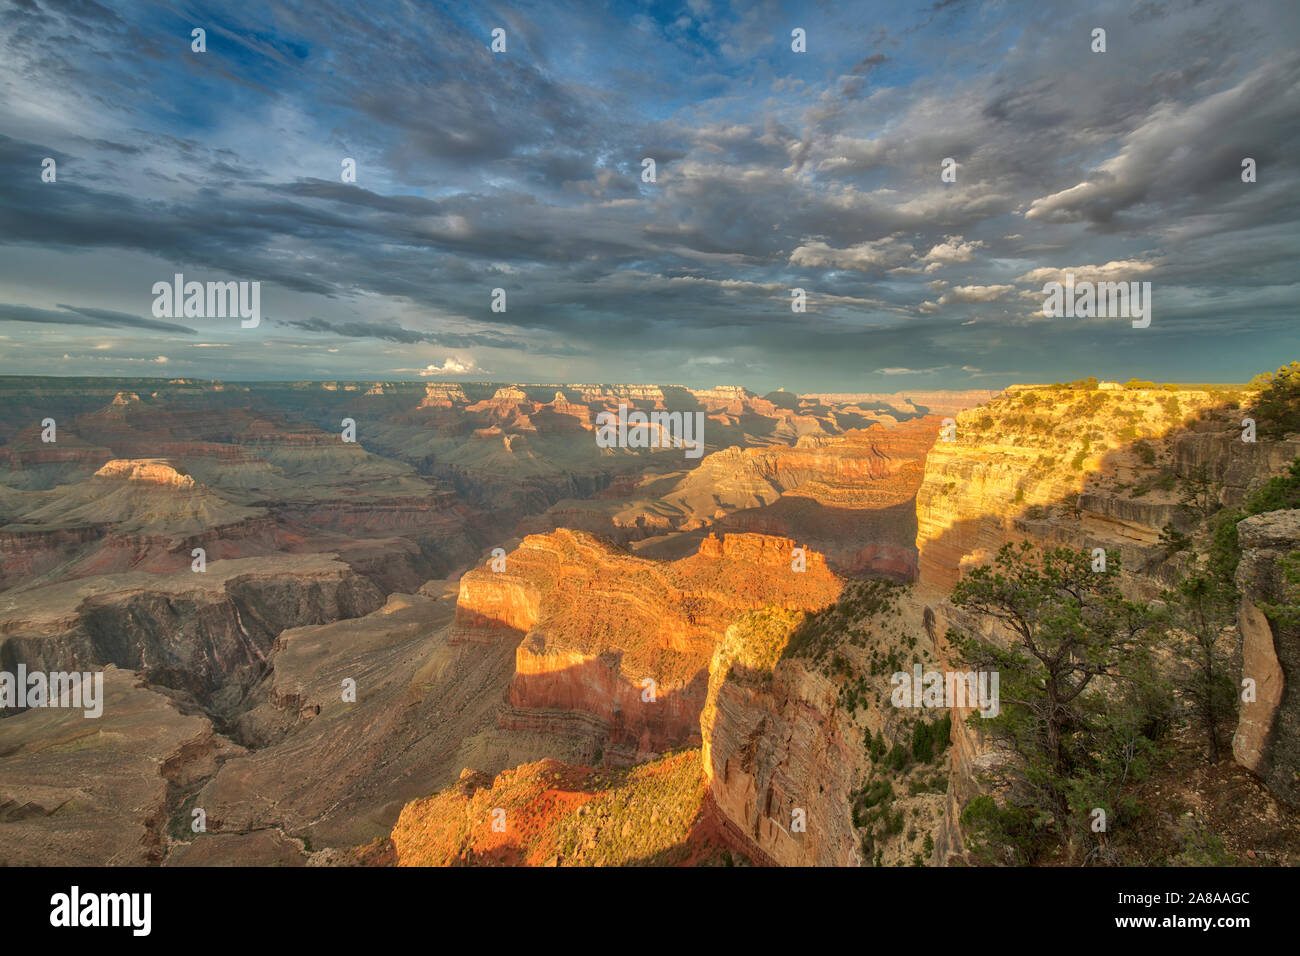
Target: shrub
x=1277, y=494
x=1277, y=406
x=898, y=758
x=999, y=834
x=940, y=731
x=922, y=744
x=1174, y=540
x=875, y=746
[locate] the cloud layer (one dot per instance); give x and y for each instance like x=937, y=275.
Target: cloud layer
x=522, y=171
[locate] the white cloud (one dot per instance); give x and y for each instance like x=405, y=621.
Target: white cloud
x=452, y=366
x=895, y=370
x=952, y=249
x=1118, y=270
x=1156, y=156
x=876, y=253
x=975, y=293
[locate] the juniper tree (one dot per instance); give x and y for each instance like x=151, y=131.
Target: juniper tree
x=1196, y=613
x=1199, y=494
x=1277, y=406
x=1078, y=693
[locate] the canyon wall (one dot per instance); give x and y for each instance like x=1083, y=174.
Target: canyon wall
x=205, y=634
x=616, y=647
x=1088, y=468
x=778, y=749
x=1267, y=740
x=798, y=725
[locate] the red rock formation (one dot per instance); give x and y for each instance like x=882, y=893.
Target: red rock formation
x=597, y=623
x=443, y=395
x=777, y=747
x=849, y=497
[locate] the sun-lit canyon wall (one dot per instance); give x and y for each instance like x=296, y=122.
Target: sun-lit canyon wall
x=776, y=746
x=1088, y=468
x=1068, y=465
x=617, y=647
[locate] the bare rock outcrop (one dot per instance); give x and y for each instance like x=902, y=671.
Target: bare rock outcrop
x=1267, y=740
x=204, y=634
x=1081, y=467
x=780, y=757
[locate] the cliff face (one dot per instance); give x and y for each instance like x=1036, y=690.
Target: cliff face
x=566, y=683
x=100, y=792
x=1267, y=740
x=1224, y=458
x=1033, y=450
x=849, y=497
x=336, y=770
x=206, y=634
x=620, y=640
x=27, y=554
x=778, y=749
x=1089, y=469
x=935, y=402
x=1102, y=468
x=797, y=725
x=783, y=775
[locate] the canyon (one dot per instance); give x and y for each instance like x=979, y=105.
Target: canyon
x=636, y=656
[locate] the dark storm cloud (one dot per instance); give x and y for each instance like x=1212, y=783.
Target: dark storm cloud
x=387, y=332
x=74, y=315
x=522, y=171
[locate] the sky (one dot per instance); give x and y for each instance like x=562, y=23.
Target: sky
x=522, y=170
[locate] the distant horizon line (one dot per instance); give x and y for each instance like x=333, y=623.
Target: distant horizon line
x=516, y=384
